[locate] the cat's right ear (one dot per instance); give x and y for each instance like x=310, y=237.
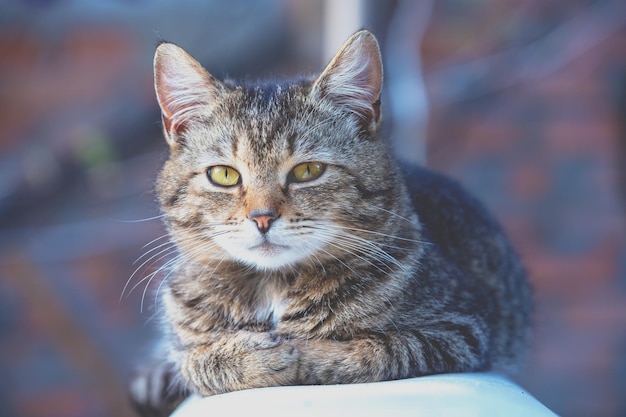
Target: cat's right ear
x=185, y=91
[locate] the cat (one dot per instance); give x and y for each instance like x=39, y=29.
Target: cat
x=305, y=253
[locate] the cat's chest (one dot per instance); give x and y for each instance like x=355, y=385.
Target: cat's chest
x=270, y=307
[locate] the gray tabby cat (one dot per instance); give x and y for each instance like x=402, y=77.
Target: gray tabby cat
x=305, y=255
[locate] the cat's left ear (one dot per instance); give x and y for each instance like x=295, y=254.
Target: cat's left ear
x=353, y=79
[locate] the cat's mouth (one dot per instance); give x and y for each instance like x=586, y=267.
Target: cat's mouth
x=269, y=249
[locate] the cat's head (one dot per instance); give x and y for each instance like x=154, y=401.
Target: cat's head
x=275, y=174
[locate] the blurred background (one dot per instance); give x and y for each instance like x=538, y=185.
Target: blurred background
x=523, y=101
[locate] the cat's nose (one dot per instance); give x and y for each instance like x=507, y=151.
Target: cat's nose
x=263, y=219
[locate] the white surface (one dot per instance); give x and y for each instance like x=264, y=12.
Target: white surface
x=464, y=395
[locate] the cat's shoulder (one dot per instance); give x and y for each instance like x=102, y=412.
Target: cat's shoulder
x=425, y=182
x=439, y=198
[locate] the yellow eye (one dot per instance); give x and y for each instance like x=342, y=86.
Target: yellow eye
x=307, y=171
x=223, y=176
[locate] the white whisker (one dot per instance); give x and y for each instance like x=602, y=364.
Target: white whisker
x=147, y=219
x=373, y=232
x=170, y=248
x=371, y=252
x=395, y=214
x=171, y=265
x=163, y=250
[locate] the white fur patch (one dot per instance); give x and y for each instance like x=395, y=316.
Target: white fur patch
x=273, y=308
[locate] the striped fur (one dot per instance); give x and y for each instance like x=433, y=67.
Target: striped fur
x=369, y=272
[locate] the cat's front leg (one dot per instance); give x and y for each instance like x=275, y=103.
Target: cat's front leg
x=155, y=389
x=389, y=356
x=240, y=360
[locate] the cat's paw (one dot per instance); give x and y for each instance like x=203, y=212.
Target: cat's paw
x=242, y=360
x=272, y=353
x=153, y=391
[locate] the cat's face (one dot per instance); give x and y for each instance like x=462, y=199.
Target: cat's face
x=274, y=175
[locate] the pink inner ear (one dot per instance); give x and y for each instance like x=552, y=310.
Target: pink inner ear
x=178, y=104
x=172, y=127
x=353, y=79
x=179, y=99
x=184, y=89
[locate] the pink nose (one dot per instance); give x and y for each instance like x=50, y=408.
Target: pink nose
x=263, y=220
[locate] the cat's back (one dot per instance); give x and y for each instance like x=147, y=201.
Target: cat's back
x=466, y=235
x=454, y=220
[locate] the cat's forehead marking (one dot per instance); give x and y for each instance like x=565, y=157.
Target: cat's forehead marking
x=265, y=122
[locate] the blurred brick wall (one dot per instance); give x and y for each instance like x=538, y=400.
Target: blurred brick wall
x=80, y=144
x=545, y=155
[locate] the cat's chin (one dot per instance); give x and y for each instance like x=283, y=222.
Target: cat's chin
x=269, y=256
